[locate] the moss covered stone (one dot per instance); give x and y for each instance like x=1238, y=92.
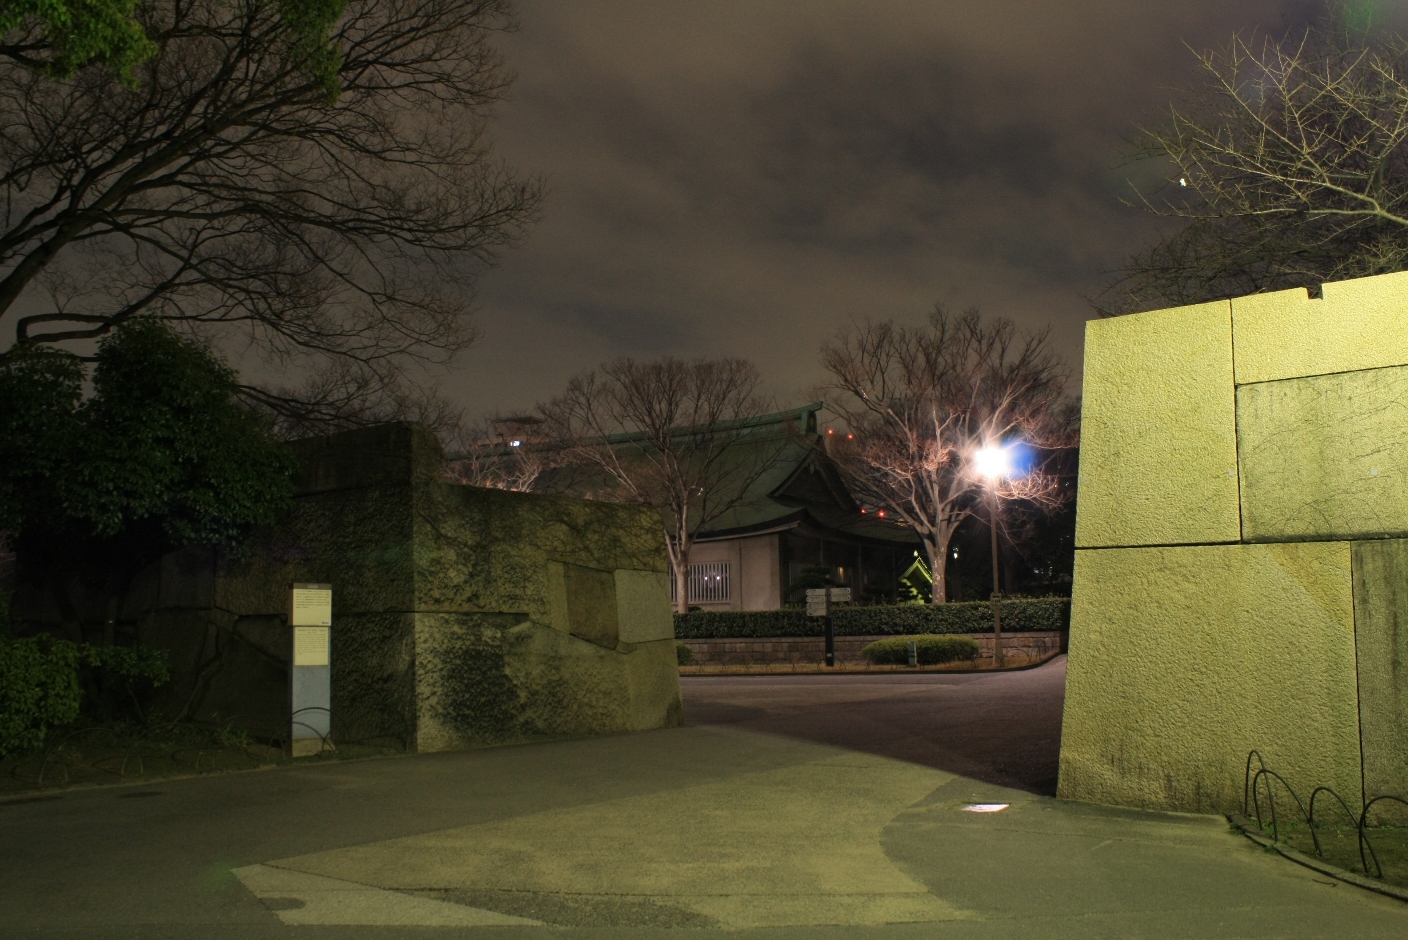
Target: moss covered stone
x=461, y=616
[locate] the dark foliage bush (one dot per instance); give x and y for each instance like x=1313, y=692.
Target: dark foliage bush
x=683, y=653
x=39, y=690
x=929, y=650
x=1019, y=615
x=42, y=685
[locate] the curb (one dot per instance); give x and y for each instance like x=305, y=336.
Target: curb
x=1249, y=829
x=846, y=669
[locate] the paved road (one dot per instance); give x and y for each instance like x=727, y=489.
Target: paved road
x=1002, y=728
x=773, y=834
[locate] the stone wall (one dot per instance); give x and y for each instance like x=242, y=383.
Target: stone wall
x=461, y=616
x=1241, y=578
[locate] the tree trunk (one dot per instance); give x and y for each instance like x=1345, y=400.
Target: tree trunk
x=938, y=566
x=680, y=563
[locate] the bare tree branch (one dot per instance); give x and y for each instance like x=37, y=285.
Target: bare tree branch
x=227, y=191
x=919, y=403
x=680, y=436
x=505, y=453
x=1288, y=168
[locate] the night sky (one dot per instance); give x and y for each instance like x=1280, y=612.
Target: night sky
x=742, y=179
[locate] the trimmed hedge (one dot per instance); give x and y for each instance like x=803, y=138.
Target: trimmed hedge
x=929, y=650
x=1019, y=615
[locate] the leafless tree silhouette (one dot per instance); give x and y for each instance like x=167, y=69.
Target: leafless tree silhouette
x=681, y=436
x=338, y=228
x=1288, y=167
x=919, y=403
x=505, y=453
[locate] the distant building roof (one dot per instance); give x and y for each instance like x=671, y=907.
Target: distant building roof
x=801, y=487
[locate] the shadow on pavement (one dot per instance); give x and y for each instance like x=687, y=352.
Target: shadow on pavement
x=1003, y=728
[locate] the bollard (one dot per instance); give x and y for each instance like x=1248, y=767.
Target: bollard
x=913, y=654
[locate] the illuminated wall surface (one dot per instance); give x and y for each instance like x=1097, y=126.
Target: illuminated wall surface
x=1241, y=575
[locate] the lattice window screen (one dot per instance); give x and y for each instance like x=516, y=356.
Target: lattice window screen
x=706, y=582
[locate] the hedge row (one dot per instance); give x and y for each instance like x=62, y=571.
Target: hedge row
x=1019, y=615
x=928, y=650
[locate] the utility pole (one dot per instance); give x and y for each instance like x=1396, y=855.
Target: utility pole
x=997, y=658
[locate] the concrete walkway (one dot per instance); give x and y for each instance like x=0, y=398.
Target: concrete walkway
x=708, y=827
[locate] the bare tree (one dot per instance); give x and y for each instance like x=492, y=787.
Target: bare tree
x=507, y=453
x=337, y=226
x=681, y=436
x=919, y=403
x=1288, y=167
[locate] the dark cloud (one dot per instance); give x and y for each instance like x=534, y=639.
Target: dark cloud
x=743, y=179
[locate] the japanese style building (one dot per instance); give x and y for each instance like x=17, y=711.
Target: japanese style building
x=795, y=515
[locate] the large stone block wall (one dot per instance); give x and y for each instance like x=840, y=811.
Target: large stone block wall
x=1241, y=566
x=560, y=603
x=461, y=616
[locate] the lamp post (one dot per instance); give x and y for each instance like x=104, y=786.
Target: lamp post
x=994, y=463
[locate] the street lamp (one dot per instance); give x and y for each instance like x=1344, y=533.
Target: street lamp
x=993, y=464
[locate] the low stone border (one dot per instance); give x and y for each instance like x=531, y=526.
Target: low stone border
x=1249, y=829
x=771, y=651
x=851, y=668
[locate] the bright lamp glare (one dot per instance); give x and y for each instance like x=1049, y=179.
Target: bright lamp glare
x=993, y=462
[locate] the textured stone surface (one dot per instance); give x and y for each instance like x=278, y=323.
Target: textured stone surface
x=538, y=615
x=1158, y=451
x=374, y=676
x=461, y=616
x=358, y=540
x=481, y=549
x=1325, y=457
x=1184, y=659
x=1381, y=638
x=591, y=605
x=643, y=606
x=1359, y=324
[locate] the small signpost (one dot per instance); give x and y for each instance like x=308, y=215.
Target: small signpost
x=819, y=601
x=310, y=669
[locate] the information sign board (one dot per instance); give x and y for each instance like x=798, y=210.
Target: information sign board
x=817, y=598
x=312, y=605
x=310, y=669
x=311, y=646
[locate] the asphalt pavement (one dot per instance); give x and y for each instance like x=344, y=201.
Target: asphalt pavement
x=790, y=807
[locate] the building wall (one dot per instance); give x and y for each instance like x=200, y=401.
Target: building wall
x=1240, y=561
x=760, y=565
x=755, y=566
x=727, y=551
x=760, y=570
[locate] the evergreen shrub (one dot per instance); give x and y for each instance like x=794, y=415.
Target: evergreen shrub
x=1019, y=615
x=41, y=685
x=39, y=690
x=929, y=650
